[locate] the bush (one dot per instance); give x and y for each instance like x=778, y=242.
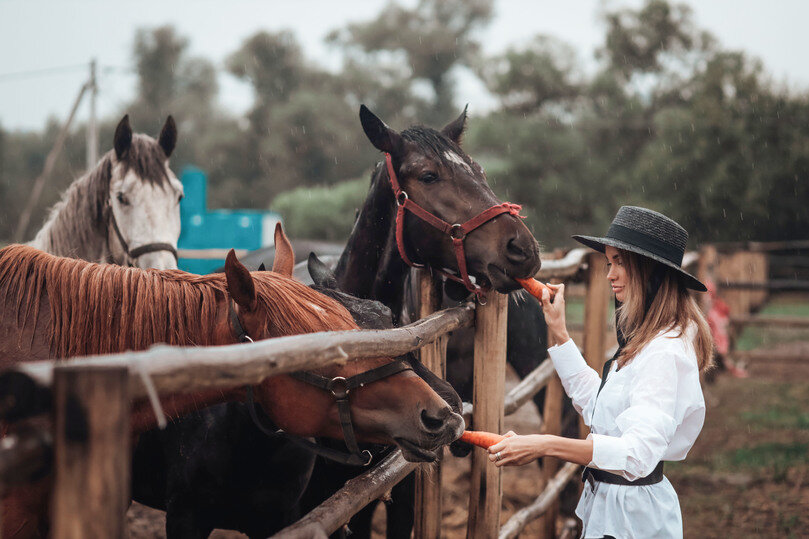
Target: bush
x=321, y=213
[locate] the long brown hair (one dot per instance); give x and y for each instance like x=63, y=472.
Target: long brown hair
x=672, y=308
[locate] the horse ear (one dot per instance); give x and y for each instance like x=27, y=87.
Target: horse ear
x=123, y=137
x=262, y=267
x=284, y=261
x=381, y=136
x=320, y=273
x=454, y=130
x=168, y=136
x=240, y=282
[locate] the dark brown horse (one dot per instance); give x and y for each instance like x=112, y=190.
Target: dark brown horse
x=54, y=307
x=438, y=175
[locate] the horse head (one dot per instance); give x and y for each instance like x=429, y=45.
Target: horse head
x=401, y=408
x=144, y=198
x=438, y=176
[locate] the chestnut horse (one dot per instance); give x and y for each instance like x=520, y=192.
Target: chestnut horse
x=53, y=307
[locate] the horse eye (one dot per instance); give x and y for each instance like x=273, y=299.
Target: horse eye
x=122, y=199
x=179, y=198
x=428, y=177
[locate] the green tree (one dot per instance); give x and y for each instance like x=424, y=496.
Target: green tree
x=431, y=39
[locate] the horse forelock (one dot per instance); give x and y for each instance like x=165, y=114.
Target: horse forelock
x=437, y=145
x=147, y=160
x=99, y=309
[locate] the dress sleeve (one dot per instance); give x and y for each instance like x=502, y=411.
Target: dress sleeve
x=649, y=422
x=579, y=379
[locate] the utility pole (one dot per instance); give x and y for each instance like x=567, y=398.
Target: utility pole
x=50, y=161
x=92, y=126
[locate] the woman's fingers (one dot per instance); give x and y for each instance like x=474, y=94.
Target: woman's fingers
x=499, y=446
x=510, y=433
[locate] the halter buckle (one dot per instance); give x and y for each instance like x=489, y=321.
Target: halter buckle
x=338, y=387
x=456, y=232
x=401, y=198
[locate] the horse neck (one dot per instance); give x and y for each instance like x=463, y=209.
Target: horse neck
x=77, y=224
x=370, y=266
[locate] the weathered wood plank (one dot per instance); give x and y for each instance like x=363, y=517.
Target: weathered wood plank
x=521, y=518
x=92, y=451
x=595, y=316
x=191, y=369
x=329, y=516
x=552, y=425
x=428, y=478
x=486, y=491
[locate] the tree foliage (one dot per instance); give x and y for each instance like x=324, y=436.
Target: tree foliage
x=669, y=119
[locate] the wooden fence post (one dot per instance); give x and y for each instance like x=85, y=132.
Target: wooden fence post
x=428, y=477
x=486, y=491
x=92, y=452
x=552, y=424
x=595, y=316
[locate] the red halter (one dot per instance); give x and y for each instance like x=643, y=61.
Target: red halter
x=457, y=232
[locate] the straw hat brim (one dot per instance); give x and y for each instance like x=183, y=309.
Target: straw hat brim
x=599, y=244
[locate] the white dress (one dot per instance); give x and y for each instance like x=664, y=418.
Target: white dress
x=650, y=410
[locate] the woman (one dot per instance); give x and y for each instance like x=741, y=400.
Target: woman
x=648, y=406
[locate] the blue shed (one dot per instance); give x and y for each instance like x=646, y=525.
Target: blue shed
x=204, y=229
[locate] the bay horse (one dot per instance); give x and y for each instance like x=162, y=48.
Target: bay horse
x=126, y=210
x=52, y=307
x=428, y=168
x=217, y=468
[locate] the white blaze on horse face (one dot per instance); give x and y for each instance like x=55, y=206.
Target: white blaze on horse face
x=146, y=213
x=458, y=160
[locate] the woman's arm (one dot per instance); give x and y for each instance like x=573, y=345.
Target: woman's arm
x=516, y=450
x=579, y=380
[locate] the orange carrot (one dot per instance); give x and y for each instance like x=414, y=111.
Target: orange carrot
x=481, y=438
x=535, y=287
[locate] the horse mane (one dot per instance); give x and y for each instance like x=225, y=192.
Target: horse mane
x=100, y=309
x=79, y=219
x=431, y=142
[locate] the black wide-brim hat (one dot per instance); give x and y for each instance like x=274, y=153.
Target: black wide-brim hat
x=650, y=234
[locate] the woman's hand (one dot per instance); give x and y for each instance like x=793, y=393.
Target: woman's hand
x=555, y=314
x=516, y=450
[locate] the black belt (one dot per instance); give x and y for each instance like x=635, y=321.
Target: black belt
x=591, y=475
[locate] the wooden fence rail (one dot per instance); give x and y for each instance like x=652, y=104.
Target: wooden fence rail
x=188, y=369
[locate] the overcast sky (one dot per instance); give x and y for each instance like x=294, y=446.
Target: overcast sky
x=46, y=34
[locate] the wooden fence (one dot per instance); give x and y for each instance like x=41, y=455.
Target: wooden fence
x=490, y=405
x=92, y=455
x=743, y=273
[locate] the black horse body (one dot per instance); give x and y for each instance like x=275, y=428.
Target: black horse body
x=216, y=469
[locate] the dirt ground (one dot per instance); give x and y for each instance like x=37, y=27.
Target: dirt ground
x=747, y=475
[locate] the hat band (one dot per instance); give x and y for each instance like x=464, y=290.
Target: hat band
x=646, y=242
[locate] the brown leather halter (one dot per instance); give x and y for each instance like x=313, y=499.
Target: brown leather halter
x=457, y=232
x=338, y=386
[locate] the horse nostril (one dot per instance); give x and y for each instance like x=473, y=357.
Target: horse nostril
x=514, y=252
x=432, y=423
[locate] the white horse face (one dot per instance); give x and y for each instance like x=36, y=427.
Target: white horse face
x=147, y=213
x=144, y=201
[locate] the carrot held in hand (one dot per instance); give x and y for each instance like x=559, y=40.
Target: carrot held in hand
x=481, y=438
x=535, y=287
